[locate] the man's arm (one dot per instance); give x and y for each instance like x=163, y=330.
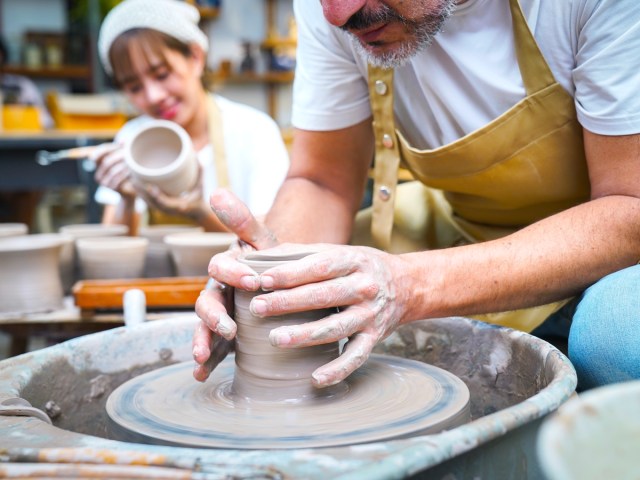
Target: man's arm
x=325, y=185
x=550, y=260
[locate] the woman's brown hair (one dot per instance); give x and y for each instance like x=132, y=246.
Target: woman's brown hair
x=152, y=44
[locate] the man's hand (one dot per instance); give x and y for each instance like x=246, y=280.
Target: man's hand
x=369, y=286
x=213, y=337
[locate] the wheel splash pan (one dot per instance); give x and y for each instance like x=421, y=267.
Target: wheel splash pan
x=53, y=422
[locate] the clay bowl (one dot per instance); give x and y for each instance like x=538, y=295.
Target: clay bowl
x=111, y=257
x=191, y=252
x=158, y=262
x=85, y=230
x=594, y=435
x=29, y=274
x=82, y=230
x=12, y=229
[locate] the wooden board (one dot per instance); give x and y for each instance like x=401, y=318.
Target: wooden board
x=166, y=292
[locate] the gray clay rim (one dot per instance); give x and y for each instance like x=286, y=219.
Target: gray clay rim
x=260, y=261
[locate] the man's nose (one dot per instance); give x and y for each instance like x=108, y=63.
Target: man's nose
x=338, y=12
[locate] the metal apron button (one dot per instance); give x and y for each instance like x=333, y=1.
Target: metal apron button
x=384, y=193
x=381, y=87
x=387, y=141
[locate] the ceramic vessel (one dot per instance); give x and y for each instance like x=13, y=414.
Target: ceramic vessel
x=111, y=257
x=191, y=252
x=84, y=230
x=66, y=263
x=29, y=274
x=266, y=372
x=594, y=435
x=158, y=262
x=161, y=153
x=12, y=229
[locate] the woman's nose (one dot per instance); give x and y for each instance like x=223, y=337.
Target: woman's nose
x=338, y=12
x=154, y=92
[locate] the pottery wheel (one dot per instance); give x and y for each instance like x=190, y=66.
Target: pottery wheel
x=388, y=397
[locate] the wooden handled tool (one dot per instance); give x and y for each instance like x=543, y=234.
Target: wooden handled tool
x=44, y=157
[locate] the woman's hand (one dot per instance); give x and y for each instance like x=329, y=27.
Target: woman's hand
x=190, y=204
x=111, y=170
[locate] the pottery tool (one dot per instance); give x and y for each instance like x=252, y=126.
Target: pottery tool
x=45, y=157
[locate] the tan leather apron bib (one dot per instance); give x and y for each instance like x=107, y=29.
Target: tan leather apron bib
x=216, y=137
x=523, y=166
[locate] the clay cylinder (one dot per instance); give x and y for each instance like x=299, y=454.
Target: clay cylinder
x=265, y=372
x=161, y=153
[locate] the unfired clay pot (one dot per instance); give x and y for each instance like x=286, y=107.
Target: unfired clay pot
x=12, y=229
x=111, y=257
x=158, y=262
x=84, y=230
x=191, y=252
x=66, y=260
x=161, y=153
x=29, y=274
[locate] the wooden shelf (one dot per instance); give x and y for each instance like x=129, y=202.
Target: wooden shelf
x=208, y=13
x=246, y=78
x=65, y=71
x=274, y=42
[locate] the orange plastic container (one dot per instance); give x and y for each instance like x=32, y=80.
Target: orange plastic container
x=84, y=112
x=21, y=117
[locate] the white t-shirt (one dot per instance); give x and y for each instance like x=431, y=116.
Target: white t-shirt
x=470, y=75
x=257, y=159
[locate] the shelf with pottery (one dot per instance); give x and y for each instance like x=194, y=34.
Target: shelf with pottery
x=71, y=72
x=207, y=12
x=275, y=77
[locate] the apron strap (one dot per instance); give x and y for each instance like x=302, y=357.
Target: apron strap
x=387, y=155
x=216, y=138
x=536, y=74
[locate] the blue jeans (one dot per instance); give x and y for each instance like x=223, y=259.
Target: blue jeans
x=603, y=330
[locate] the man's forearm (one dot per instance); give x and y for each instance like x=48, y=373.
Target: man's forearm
x=305, y=212
x=551, y=260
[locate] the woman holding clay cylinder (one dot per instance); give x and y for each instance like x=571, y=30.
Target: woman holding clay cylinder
x=156, y=54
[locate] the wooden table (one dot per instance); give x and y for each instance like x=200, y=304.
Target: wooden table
x=66, y=323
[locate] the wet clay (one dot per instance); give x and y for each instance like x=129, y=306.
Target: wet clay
x=262, y=396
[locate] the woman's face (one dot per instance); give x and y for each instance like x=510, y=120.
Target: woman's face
x=165, y=86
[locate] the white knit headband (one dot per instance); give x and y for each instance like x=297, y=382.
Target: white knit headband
x=176, y=18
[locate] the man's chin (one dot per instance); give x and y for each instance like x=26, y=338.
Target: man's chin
x=385, y=55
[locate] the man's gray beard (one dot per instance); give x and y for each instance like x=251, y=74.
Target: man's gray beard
x=424, y=35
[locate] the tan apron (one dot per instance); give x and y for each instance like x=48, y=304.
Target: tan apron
x=523, y=166
x=216, y=137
